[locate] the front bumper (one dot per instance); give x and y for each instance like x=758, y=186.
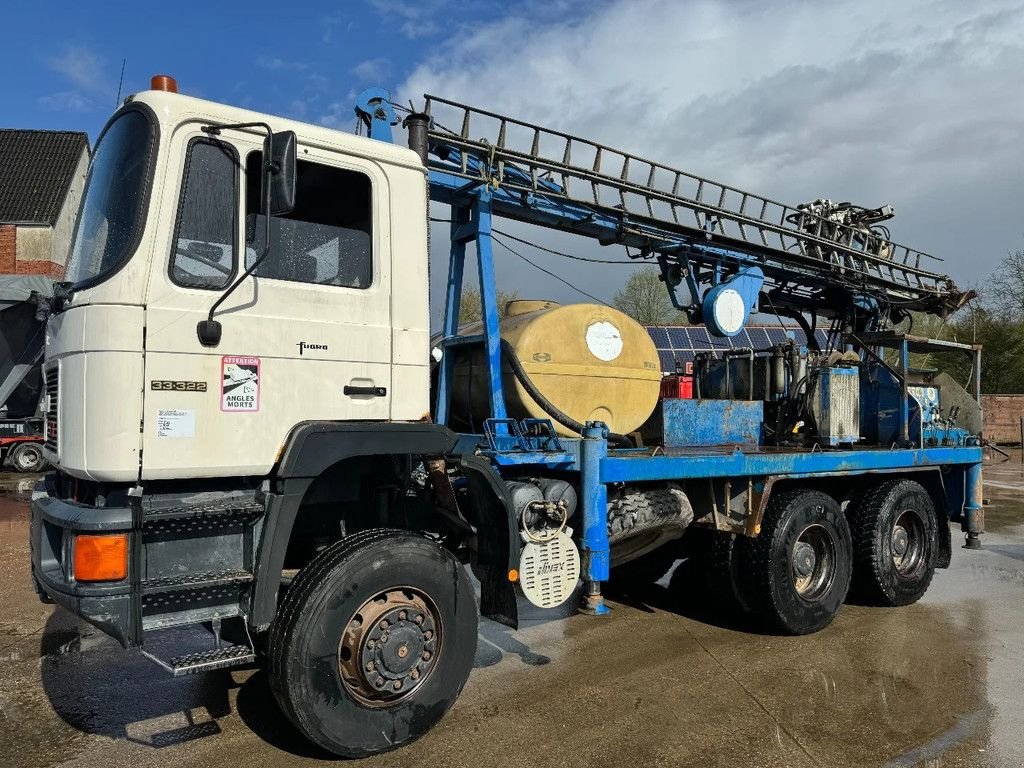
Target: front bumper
x=54, y=524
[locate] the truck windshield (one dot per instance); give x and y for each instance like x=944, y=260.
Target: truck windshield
x=112, y=209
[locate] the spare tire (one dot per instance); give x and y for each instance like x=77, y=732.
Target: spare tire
x=642, y=519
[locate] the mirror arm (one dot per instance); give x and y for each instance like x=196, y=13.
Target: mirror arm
x=209, y=329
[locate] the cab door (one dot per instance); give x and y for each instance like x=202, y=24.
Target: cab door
x=308, y=337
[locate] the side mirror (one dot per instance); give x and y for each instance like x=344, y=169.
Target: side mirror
x=280, y=171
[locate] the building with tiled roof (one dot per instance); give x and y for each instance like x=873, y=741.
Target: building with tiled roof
x=42, y=175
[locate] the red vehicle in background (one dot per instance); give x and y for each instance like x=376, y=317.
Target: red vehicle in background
x=21, y=354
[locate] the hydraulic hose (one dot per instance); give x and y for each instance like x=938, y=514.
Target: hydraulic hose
x=546, y=405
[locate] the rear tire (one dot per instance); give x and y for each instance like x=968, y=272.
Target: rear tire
x=644, y=519
x=894, y=543
x=722, y=572
x=797, y=571
x=28, y=457
x=373, y=642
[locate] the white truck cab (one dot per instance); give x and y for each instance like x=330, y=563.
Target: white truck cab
x=333, y=325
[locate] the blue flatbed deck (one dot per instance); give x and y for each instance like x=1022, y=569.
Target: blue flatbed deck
x=678, y=464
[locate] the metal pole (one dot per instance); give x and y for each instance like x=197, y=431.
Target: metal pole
x=974, y=514
x=489, y=301
x=594, y=494
x=452, y=304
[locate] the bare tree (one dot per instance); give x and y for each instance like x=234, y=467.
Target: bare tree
x=1004, y=293
x=471, y=309
x=645, y=299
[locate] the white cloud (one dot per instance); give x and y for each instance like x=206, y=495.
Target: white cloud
x=339, y=114
x=372, y=71
x=416, y=18
x=275, y=64
x=916, y=103
x=65, y=101
x=83, y=67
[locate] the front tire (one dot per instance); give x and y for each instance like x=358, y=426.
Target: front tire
x=797, y=570
x=894, y=543
x=373, y=642
x=28, y=457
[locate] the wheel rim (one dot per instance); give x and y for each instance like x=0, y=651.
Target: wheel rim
x=813, y=560
x=908, y=542
x=389, y=647
x=28, y=459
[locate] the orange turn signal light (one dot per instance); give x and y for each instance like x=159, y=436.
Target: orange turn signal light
x=101, y=558
x=513, y=575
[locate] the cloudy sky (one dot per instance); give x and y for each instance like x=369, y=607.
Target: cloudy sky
x=918, y=104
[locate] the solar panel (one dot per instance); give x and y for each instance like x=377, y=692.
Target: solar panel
x=660, y=336
x=679, y=344
x=679, y=339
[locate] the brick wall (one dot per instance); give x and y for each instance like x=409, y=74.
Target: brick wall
x=46, y=268
x=11, y=264
x=1002, y=417
x=8, y=248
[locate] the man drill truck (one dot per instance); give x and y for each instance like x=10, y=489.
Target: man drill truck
x=252, y=431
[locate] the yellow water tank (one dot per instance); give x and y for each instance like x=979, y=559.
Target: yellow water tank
x=592, y=362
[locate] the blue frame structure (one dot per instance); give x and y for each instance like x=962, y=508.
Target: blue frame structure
x=597, y=463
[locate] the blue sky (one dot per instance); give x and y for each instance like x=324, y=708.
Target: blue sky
x=915, y=103
x=304, y=63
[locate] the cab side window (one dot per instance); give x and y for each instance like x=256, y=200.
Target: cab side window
x=204, y=240
x=326, y=240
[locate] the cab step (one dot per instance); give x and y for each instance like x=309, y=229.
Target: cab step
x=213, y=506
x=195, y=581
x=205, y=661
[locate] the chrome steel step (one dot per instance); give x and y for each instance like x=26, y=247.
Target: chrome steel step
x=205, y=661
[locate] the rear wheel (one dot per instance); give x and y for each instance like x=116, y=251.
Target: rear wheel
x=722, y=573
x=797, y=571
x=894, y=543
x=28, y=457
x=373, y=642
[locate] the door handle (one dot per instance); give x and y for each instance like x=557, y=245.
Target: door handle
x=370, y=390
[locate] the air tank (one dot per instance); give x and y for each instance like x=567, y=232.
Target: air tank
x=592, y=362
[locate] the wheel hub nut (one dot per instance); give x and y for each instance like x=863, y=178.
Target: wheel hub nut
x=900, y=540
x=804, y=560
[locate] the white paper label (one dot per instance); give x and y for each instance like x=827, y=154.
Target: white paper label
x=604, y=341
x=176, y=424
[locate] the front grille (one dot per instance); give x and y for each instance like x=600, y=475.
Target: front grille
x=52, y=408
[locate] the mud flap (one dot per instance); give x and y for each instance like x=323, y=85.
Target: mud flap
x=497, y=540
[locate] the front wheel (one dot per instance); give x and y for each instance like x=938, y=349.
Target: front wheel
x=797, y=570
x=373, y=642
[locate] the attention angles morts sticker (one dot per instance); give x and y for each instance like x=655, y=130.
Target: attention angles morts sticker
x=240, y=383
